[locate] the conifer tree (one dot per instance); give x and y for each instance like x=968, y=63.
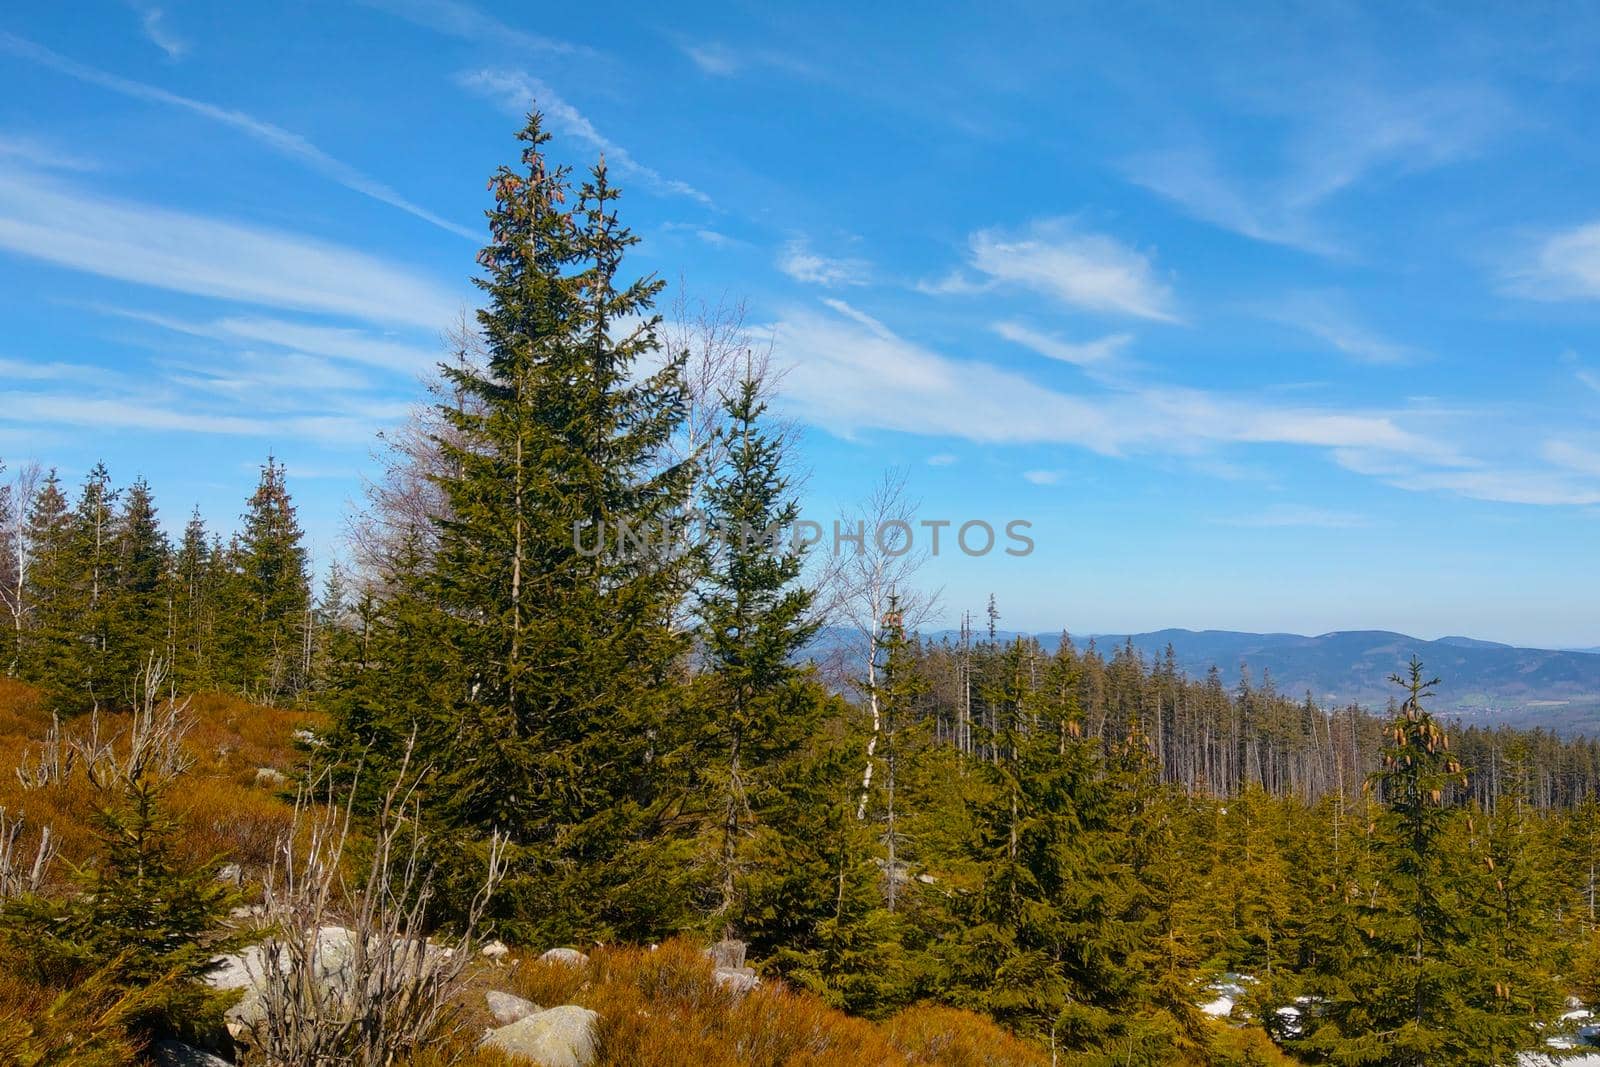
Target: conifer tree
x=15, y=496
x=94, y=557
x=755, y=620
x=1431, y=982
x=141, y=621
x=51, y=646
x=556, y=664
x=194, y=608
x=271, y=593
x=1039, y=949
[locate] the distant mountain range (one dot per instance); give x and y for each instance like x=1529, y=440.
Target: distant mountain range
x=1482, y=681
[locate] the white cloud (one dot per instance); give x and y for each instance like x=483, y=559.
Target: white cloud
x=1565, y=266
x=719, y=60
x=34, y=153
x=120, y=414
x=1573, y=457
x=1294, y=515
x=799, y=262
x=1345, y=136
x=280, y=140
x=271, y=379
x=1506, y=483
x=1081, y=354
x=897, y=385
x=878, y=328
x=353, y=424
x=1042, y=477
x=715, y=59
x=461, y=20
x=1082, y=270
x=356, y=346
x=153, y=21
x=941, y=459
x=211, y=257
x=1325, y=317
x=518, y=92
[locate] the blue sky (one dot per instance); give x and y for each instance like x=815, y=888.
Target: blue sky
x=1267, y=318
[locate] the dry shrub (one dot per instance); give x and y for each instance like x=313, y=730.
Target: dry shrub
x=1236, y=1046
x=85, y=1026
x=932, y=1033
x=661, y=1008
x=385, y=988
x=225, y=814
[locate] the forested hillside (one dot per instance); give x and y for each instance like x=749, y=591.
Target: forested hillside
x=540, y=729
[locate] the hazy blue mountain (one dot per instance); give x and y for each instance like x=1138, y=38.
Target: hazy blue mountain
x=1483, y=681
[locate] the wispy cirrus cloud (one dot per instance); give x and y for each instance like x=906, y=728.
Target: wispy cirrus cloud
x=212, y=257
x=1327, y=317
x=801, y=262
x=153, y=21
x=1561, y=266
x=284, y=142
x=1349, y=134
x=904, y=387
x=518, y=92
x=1283, y=516
x=350, y=425
x=1094, y=353
x=461, y=20
x=334, y=342
x=1055, y=258
x=34, y=153
x=720, y=60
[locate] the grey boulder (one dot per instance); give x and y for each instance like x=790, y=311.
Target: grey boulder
x=508, y=1008
x=559, y=1037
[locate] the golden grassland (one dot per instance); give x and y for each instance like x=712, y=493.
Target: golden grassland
x=658, y=1007
x=224, y=813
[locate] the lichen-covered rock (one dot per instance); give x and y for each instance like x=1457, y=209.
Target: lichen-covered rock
x=270, y=777
x=495, y=950
x=727, y=953
x=559, y=1037
x=508, y=1008
x=177, y=1054
x=738, y=979
x=569, y=956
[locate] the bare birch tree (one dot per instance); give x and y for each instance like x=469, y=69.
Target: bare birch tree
x=16, y=554
x=876, y=554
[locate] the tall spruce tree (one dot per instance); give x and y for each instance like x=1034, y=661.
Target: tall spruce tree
x=50, y=645
x=547, y=626
x=193, y=608
x=754, y=620
x=141, y=619
x=94, y=557
x=1439, y=977
x=270, y=593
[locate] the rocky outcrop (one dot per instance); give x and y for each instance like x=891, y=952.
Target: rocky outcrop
x=508, y=1008
x=738, y=979
x=727, y=958
x=177, y=1054
x=559, y=1037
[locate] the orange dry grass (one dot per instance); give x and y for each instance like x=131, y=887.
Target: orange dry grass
x=661, y=1008
x=933, y=1033
x=223, y=812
